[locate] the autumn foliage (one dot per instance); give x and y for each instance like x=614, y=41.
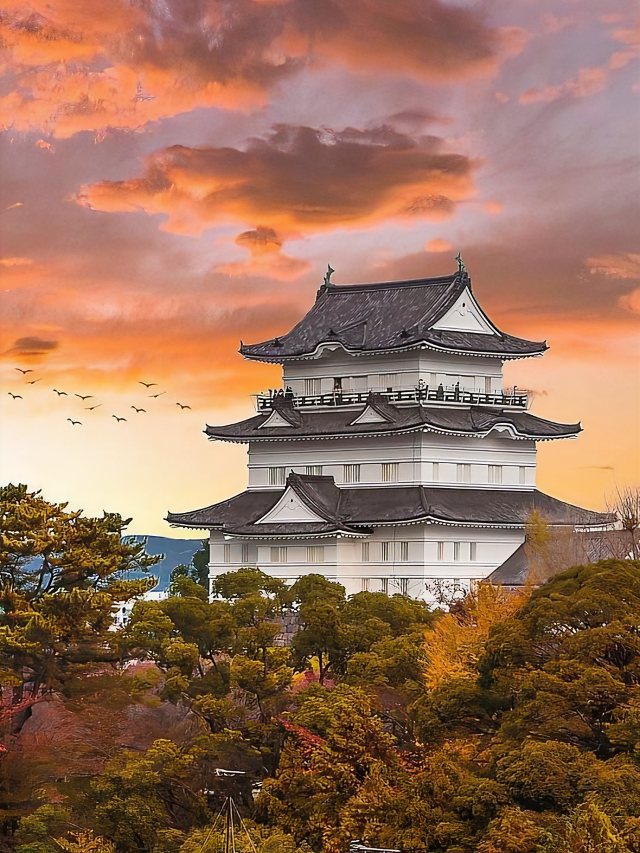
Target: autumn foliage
x=509, y=724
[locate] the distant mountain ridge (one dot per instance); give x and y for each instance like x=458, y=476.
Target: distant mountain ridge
x=176, y=551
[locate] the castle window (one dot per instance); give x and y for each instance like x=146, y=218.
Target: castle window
x=311, y=387
x=390, y=472
x=522, y=475
x=456, y=550
x=403, y=548
x=389, y=381
x=403, y=583
x=315, y=470
x=440, y=550
x=352, y=473
x=473, y=550
x=385, y=551
x=495, y=474
x=384, y=585
x=464, y=473
x=315, y=554
x=365, y=552
x=227, y=553
x=279, y=555
x=487, y=384
x=365, y=584
x=245, y=553
x=436, y=472
x=277, y=476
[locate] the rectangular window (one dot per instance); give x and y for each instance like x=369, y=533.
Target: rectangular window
x=227, y=553
x=360, y=384
x=456, y=550
x=473, y=551
x=384, y=585
x=487, y=384
x=314, y=470
x=403, y=583
x=365, y=552
x=337, y=384
x=365, y=583
x=495, y=473
x=522, y=475
x=245, y=553
x=436, y=472
x=464, y=473
x=389, y=381
x=277, y=476
x=279, y=555
x=403, y=548
x=390, y=472
x=315, y=554
x=440, y=550
x=351, y=473
x=311, y=387
x=385, y=550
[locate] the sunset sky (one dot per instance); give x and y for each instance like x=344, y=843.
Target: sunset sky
x=176, y=175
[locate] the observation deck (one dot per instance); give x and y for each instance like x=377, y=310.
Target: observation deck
x=509, y=398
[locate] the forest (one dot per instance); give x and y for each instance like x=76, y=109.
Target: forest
x=508, y=723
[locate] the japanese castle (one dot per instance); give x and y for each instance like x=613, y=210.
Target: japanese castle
x=392, y=459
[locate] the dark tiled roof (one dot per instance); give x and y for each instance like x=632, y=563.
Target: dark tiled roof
x=514, y=570
x=388, y=316
x=358, y=510
x=473, y=420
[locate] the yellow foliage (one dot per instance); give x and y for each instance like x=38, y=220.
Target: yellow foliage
x=85, y=842
x=456, y=642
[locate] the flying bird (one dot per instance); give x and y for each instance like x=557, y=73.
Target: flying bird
x=157, y=395
x=183, y=407
x=148, y=384
x=15, y=396
x=61, y=393
x=91, y=408
x=73, y=423
x=85, y=397
x=138, y=410
x=118, y=419
x=28, y=370
x=33, y=381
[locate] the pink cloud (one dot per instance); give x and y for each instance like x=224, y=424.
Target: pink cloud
x=589, y=81
x=438, y=245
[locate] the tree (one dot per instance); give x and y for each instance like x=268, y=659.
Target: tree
x=46, y=549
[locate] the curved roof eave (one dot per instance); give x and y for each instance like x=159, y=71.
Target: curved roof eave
x=313, y=354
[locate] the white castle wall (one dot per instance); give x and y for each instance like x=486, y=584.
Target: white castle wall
x=398, y=371
x=422, y=458
x=402, y=558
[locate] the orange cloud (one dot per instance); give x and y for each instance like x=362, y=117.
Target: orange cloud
x=631, y=301
x=15, y=262
x=589, y=81
x=615, y=266
x=298, y=178
x=266, y=257
x=114, y=64
x=438, y=245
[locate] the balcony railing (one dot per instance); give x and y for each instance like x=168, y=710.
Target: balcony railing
x=516, y=399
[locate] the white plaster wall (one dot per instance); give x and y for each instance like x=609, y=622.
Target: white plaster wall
x=415, y=454
x=363, y=373
x=343, y=557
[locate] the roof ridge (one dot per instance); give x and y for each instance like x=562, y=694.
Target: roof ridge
x=388, y=285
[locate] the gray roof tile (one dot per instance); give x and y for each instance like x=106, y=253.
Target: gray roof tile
x=387, y=316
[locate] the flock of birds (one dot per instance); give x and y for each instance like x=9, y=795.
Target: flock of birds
x=85, y=397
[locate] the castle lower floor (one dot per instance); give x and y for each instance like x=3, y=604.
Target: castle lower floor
x=422, y=560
